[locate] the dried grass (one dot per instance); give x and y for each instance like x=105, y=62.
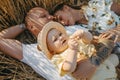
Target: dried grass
x=12, y=12
x=11, y=69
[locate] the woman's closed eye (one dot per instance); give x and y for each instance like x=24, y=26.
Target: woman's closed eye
x=42, y=16
x=58, y=18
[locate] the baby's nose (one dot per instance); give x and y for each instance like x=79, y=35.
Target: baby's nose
x=61, y=37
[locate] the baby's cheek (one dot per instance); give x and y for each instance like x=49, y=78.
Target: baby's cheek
x=57, y=44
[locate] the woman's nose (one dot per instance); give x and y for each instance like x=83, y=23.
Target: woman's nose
x=62, y=22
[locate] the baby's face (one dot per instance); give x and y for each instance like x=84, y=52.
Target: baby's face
x=57, y=41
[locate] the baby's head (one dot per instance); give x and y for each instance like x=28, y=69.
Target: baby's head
x=52, y=39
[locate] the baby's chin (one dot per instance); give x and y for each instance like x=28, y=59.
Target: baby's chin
x=63, y=49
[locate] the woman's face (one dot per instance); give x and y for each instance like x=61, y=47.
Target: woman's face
x=36, y=19
x=42, y=16
x=57, y=41
x=65, y=17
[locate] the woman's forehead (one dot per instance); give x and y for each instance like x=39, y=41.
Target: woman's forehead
x=37, y=13
x=58, y=12
x=38, y=10
x=41, y=11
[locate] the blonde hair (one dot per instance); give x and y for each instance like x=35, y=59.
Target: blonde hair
x=31, y=19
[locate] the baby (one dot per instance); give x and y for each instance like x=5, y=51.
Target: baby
x=64, y=51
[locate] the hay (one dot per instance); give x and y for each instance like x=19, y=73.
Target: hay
x=12, y=12
x=11, y=69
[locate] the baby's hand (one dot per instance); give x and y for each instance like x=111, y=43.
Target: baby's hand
x=73, y=44
x=84, y=35
x=77, y=34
